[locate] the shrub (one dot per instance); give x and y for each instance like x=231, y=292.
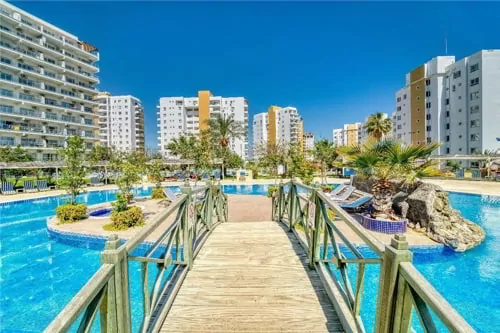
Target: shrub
x=158, y=193
x=123, y=220
x=70, y=213
x=121, y=203
x=271, y=190
x=326, y=188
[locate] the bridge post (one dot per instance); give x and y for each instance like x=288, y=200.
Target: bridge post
x=209, y=205
x=392, y=307
x=280, y=201
x=187, y=229
x=316, y=234
x=115, y=308
x=291, y=206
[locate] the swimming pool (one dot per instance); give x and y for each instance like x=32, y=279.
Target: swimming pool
x=39, y=275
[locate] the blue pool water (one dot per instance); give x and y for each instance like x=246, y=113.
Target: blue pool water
x=101, y=212
x=38, y=275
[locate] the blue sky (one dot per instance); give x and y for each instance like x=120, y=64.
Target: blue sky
x=336, y=62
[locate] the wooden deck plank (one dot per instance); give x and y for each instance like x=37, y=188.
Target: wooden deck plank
x=251, y=277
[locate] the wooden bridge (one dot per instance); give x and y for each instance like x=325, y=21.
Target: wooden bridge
x=288, y=274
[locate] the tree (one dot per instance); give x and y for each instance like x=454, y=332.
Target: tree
x=453, y=165
x=73, y=173
x=298, y=166
x=388, y=160
x=8, y=154
x=128, y=167
x=272, y=155
x=183, y=147
x=378, y=125
x=221, y=130
x=324, y=153
x=100, y=154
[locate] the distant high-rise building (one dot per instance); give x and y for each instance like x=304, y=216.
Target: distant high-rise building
x=178, y=116
x=454, y=103
x=350, y=134
x=308, y=145
x=121, y=122
x=285, y=126
x=259, y=132
x=47, y=85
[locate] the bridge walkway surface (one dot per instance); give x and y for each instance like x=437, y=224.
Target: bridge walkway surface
x=252, y=277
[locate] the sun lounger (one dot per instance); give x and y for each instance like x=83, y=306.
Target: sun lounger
x=29, y=186
x=8, y=188
x=169, y=194
x=42, y=185
x=476, y=174
x=343, y=194
x=336, y=190
x=356, y=203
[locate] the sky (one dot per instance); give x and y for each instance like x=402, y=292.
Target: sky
x=337, y=62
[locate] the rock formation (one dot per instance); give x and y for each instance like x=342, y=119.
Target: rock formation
x=428, y=210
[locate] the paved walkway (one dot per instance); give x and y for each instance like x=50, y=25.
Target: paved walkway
x=251, y=277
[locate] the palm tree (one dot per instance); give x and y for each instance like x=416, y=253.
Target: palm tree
x=325, y=153
x=221, y=129
x=388, y=160
x=378, y=125
x=183, y=146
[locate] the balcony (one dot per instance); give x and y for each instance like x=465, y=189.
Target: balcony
x=44, y=61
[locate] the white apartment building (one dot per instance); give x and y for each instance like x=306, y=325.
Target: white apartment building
x=285, y=126
x=350, y=134
x=47, y=85
x=309, y=145
x=259, y=133
x=178, y=116
x=364, y=132
x=121, y=122
x=454, y=103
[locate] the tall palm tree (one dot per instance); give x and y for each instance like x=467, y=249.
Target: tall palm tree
x=221, y=129
x=183, y=147
x=378, y=125
x=389, y=160
x=324, y=153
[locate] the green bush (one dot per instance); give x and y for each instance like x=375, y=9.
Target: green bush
x=121, y=203
x=132, y=217
x=271, y=190
x=158, y=193
x=326, y=188
x=70, y=213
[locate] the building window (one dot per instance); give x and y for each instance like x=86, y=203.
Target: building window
x=398, y=108
x=453, y=88
x=398, y=99
x=474, y=123
x=428, y=94
x=447, y=113
x=428, y=116
x=474, y=151
x=428, y=128
x=456, y=74
x=404, y=96
x=474, y=68
x=428, y=140
x=447, y=150
x=428, y=105
x=447, y=138
x=447, y=126
x=427, y=82
x=474, y=109
x=474, y=137
x=447, y=102
x=474, y=82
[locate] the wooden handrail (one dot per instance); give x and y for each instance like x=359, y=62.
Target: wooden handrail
x=81, y=300
x=448, y=315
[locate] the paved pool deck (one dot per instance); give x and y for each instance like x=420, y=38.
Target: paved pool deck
x=466, y=186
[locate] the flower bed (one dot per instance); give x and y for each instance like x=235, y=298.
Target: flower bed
x=383, y=226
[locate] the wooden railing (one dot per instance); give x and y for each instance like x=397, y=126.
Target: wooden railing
x=326, y=232
x=172, y=247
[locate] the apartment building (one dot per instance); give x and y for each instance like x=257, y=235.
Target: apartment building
x=452, y=102
x=350, y=134
x=259, y=133
x=178, y=116
x=121, y=122
x=309, y=145
x=47, y=85
x=285, y=126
